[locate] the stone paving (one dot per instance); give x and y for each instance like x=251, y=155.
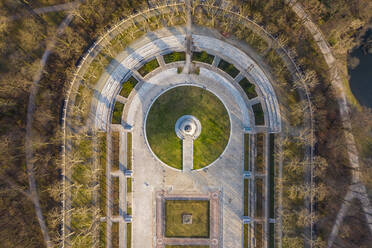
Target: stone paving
x=149, y=173
x=129, y=61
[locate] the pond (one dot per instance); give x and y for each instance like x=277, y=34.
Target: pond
x=360, y=71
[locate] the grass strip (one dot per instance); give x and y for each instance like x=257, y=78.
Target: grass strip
x=228, y=68
x=246, y=152
x=118, y=110
x=174, y=57
x=272, y=176
x=129, y=235
x=248, y=87
x=129, y=151
x=129, y=184
x=259, y=117
x=246, y=197
x=148, y=67
x=102, y=161
x=246, y=235
x=202, y=57
x=127, y=87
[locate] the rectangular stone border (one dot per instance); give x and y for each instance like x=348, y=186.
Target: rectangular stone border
x=214, y=219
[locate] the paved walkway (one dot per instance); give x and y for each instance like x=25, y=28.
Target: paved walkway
x=174, y=39
x=151, y=174
x=187, y=154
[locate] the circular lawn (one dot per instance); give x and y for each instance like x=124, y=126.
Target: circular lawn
x=187, y=100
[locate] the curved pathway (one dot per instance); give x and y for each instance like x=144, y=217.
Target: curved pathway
x=28, y=139
x=357, y=189
x=151, y=48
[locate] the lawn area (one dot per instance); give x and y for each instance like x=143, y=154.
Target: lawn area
x=246, y=235
x=174, y=57
x=129, y=151
x=129, y=235
x=148, y=67
x=246, y=197
x=127, y=87
x=259, y=117
x=246, y=152
x=202, y=57
x=248, y=87
x=199, y=209
x=228, y=68
x=118, y=110
x=272, y=176
x=194, y=101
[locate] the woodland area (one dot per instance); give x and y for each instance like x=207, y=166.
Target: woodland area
x=24, y=39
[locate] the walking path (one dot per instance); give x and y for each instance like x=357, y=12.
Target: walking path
x=48, y=9
x=187, y=154
x=28, y=139
x=357, y=189
x=126, y=63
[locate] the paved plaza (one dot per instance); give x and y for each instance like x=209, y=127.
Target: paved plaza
x=223, y=179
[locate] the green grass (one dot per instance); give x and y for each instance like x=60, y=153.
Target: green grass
x=272, y=176
x=174, y=57
x=246, y=197
x=148, y=67
x=202, y=57
x=129, y=208
x=200, y=218
x=102, y=161
x=102, y=235
x=129, y=151
x=118, y=110
x=248, y=87
x=246, y=152
x=115, y=146
x=228, y=68
x=129, y=184
x=129, y=235
x=246, y=235
x=259, y=117
x=188, y=100
x=128, y=86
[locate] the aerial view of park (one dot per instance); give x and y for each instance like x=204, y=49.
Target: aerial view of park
x=186, y=123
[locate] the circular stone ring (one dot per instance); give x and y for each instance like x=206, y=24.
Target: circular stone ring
x=187, y=126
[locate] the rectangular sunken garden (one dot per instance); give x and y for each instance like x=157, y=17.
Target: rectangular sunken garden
x=187, y=218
